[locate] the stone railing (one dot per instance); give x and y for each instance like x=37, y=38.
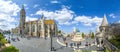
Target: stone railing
x=110, y=46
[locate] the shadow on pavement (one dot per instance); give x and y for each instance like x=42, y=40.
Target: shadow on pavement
x=59, y=48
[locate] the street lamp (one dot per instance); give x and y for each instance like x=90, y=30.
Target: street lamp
x=9, y=36
x=51, y=36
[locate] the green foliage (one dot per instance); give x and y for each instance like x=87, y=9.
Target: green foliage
x=68, y=35
x=1, y=36
x=10, y=49
x=115, y=42
x=92, y=36
x=7, y=49
x=59, y=31
x=83, y=35
x=107, y=50
x=3, y=41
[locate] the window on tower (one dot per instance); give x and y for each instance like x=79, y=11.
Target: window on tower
x=33, y=28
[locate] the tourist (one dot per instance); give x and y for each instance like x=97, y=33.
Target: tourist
x=89, y=44
x=86, y=44
x=66, y=44
x=78, y=45
x=18, y=39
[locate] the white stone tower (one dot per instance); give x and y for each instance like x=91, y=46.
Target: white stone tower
x=104, y=24
x=22, y=20
x=74, y=30
x=42, y=26
x=102, y=34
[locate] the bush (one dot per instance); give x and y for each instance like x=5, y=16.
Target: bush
x=10, y=49
x=83, y=35
x=107, y=50
x=1, y=36
x=115, y=42
x=3, y=41
x=92, y=36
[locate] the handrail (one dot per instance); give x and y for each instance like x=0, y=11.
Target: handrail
x=111, y=46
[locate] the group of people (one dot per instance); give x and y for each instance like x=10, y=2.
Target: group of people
x=75, y=44
x=14, y=39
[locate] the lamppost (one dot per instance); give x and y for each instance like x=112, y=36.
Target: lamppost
x=51, y=36
x=9, y=36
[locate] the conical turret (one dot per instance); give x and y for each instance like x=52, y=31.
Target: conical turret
x=104, y=21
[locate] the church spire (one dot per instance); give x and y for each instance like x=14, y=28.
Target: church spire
x=104, y=21
x=42, y=17
x=22, y=6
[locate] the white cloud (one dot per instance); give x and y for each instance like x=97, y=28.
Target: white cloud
x=54, y=1
x=63, y=16
x=30, y=18
x=88, y=20
x=8, y=11
x=36, y=5
x=59, y=26
x=26, y=8
x=112, y=15
x=119, y=21
x=31, y=14
x=25, y=5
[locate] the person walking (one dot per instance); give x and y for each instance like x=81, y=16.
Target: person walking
x=18, y=39
x=66, y=44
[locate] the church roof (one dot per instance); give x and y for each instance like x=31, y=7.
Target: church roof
x=49, y=22
x=104, y=21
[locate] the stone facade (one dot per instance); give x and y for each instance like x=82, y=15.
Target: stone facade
x=101, y=32
x=39, y=28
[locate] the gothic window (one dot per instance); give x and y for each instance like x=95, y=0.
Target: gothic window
x=46, y=26
x=39, y=27
x=28, y=29
x=33, y=28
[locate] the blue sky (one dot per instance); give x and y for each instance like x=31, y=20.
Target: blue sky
x=85, y=15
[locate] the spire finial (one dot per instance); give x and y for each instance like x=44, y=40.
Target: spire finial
x=23, y=6
x=42, y=16
x=104, y=15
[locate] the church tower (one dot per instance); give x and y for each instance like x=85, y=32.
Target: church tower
x=22, y=20
x=104, y=26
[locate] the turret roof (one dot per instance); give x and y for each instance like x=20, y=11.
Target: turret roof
x=104, y=21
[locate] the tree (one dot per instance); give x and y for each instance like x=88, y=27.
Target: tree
x=92, y=36
x=83, y=35
x=59, y=31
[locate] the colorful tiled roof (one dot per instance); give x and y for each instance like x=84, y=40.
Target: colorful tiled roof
x=49, y=22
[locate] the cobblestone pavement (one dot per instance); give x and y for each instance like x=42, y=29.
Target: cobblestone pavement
x=42, y=45
x=39, y=45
